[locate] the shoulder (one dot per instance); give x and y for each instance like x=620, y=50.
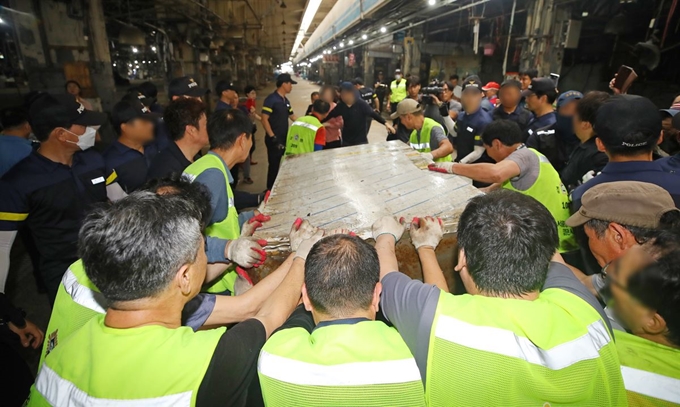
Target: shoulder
x=28, y=166
x=211, y=177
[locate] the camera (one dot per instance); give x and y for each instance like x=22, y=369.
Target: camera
x=428, y=92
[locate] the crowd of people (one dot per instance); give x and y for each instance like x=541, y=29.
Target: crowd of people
x=569, y=260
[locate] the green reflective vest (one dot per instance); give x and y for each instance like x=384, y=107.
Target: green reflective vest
x=302, y=134
x=490, y=351
x=226, y=229
x=549, y=191
x=77, y=301
x=651, y=371
x=398, y=90
x=423, y=144
x=361, y=364
x=145, y=366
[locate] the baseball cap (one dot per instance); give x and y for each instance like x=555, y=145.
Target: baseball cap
x=568, y=96
x=136, y=94
x=472, y=82
x=222, y=86
x=674, y=110
x=540, y=85
x=626, y=114
x=358, y=81
x=406, y=106
x=130, y=109
x=491, y=85
x=676, y=122
x=185, y=86
x=63, y=111
x=285, y=78
x=630, y=203
x=397, y=70
x=347, y=86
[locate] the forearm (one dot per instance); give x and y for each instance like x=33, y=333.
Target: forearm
x=377, y=117
x=267, y=126
x=278, y=306
x=215, y=270
x=432, y=273
x=445, y=148
x=385, y=246
x=292, y=117
x=482, y=172
x=473, y=156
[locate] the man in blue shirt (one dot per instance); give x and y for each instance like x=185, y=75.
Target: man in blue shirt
x=14, y=142
x=226, y=94
x=471, y=123
x=130, y=156
x=276, y=110
x=539, y=97
x=628, y=130
x=509, y=109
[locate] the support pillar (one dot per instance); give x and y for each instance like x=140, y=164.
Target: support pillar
x=101, y=70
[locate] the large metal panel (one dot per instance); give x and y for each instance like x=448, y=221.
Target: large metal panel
x=351, y=187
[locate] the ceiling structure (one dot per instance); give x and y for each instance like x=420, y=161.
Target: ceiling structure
x=270, y=25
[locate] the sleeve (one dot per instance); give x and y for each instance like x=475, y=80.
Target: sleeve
x=244, y=217
x=214, y=249
x=197, y=310
x=214, y=180
x=268, y=106
x=479, y=129
x=560, y=277
x=320, y=139
x=334, y=113
x=410, y=306
x=14, y=207
x=528, y=164
x=372, y=113
x=290, y=109
x=599, y=160
x=436, y=137
x=233, y=366
x=300, y=318
x=309, y=110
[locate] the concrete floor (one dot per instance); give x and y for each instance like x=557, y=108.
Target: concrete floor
x=21, y=286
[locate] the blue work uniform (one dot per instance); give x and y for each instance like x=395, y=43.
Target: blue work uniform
x=469, y=128
x=12, y=150
x=671, y=164
x=540, y=122
x=130, y=166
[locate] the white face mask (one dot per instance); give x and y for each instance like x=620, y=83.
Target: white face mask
x=86, y=140
x=397, y=77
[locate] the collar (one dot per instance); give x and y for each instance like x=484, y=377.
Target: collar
x=631, y=166
x=229, y=177
x=343, y=321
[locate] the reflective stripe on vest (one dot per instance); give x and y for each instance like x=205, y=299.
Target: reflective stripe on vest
x=60, y=392
x=422, y=142
x=651, y=384
x=507, y=343
x=307, y=125
x=302, y=135
x=348, y=374
x=420, y=146
x=83, y=295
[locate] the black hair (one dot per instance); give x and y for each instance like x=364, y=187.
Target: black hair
x=335, y=263
x=70, y=82
x=315, y=93
x=587, y=107
x=320, y=106
x=668, y=221
x=531, y=73
x=412, y=80
x=181, y=113
x=454, y=77
x=248, y=89
x=181, y=185
x=506, y=131
x=508, y=239
x=225, y=126
x=448, y=85
x=550, y=95
x=12, y=117
x=133, y=248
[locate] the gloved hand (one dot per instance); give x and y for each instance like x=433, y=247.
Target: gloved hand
x=426, y=232
x=588, y=176
x=253, y=223
x=306, y=245
x=300, y=231
x=427, y=156
x=445, y=168
x=247, y=252
x=264, y=198
x=388, y=225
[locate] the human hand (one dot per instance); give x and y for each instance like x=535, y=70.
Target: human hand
x=445, y=168
x=247, y=252
x=388, y=225
x=301, y=230
x=265, y=199
x=426, y=232
x=427, y=156
x=254, y=223
x=30, y=334
x=616, y=91
x=306, y=245
x=390, y=128
x=436, y=100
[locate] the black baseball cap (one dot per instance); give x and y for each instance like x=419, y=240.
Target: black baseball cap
x=626, y=114
x=347, y=86
x=358, y=81
x=285, y=78
x=472, y=82
x=136, y=94
x=62, y=111
x=129, y=109
x=185, y=86
x=224, y=85
x=540, y=85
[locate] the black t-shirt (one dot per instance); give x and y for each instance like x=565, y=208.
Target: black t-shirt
x=586, y=157
x=231, y=378
x=367, y=94
x=168, y=161
x=520, y=116
x=355, y=130
x=278, y=109
x=469, y=128
x=131, y=166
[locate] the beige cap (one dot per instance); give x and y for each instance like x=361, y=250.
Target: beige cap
x=628, y=203
x=406, y=106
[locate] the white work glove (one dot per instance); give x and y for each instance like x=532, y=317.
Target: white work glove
x=306, y=245
x=445, y=167
x=588, y=176
x=427, y=156
x=249, y=228
x=388, y=225
x=426, y=232
x=247, y=252
x=301, y=230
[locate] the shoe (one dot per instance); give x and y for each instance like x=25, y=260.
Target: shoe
x=253, y=162
x=248, y=180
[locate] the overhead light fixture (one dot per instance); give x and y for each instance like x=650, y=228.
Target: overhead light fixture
x=432, y=2
x=153, y=49
x=310, y=12
x=2, y=21
x=351, y=42
x=342, y=44
x=334, y=47
x=364, y=37
x=383, y=30
x=134, y=50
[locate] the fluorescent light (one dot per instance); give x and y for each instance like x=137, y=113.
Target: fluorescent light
x=334, y=47
x=134, y=50
x=342, y=44
x=351, y=42
x=310, y=12
x=383, y=30
x=432, y=2
x=153, y=49
x=363, y=37
x=2, y=21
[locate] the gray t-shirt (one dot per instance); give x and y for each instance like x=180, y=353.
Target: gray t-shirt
x=411, y=304
x=529, y=168
x=437, y=135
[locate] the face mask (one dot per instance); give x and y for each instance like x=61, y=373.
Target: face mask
x=397, y=77
x=564, y=125
x=86, y=140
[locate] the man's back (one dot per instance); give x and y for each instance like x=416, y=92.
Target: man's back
x=342, y=363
